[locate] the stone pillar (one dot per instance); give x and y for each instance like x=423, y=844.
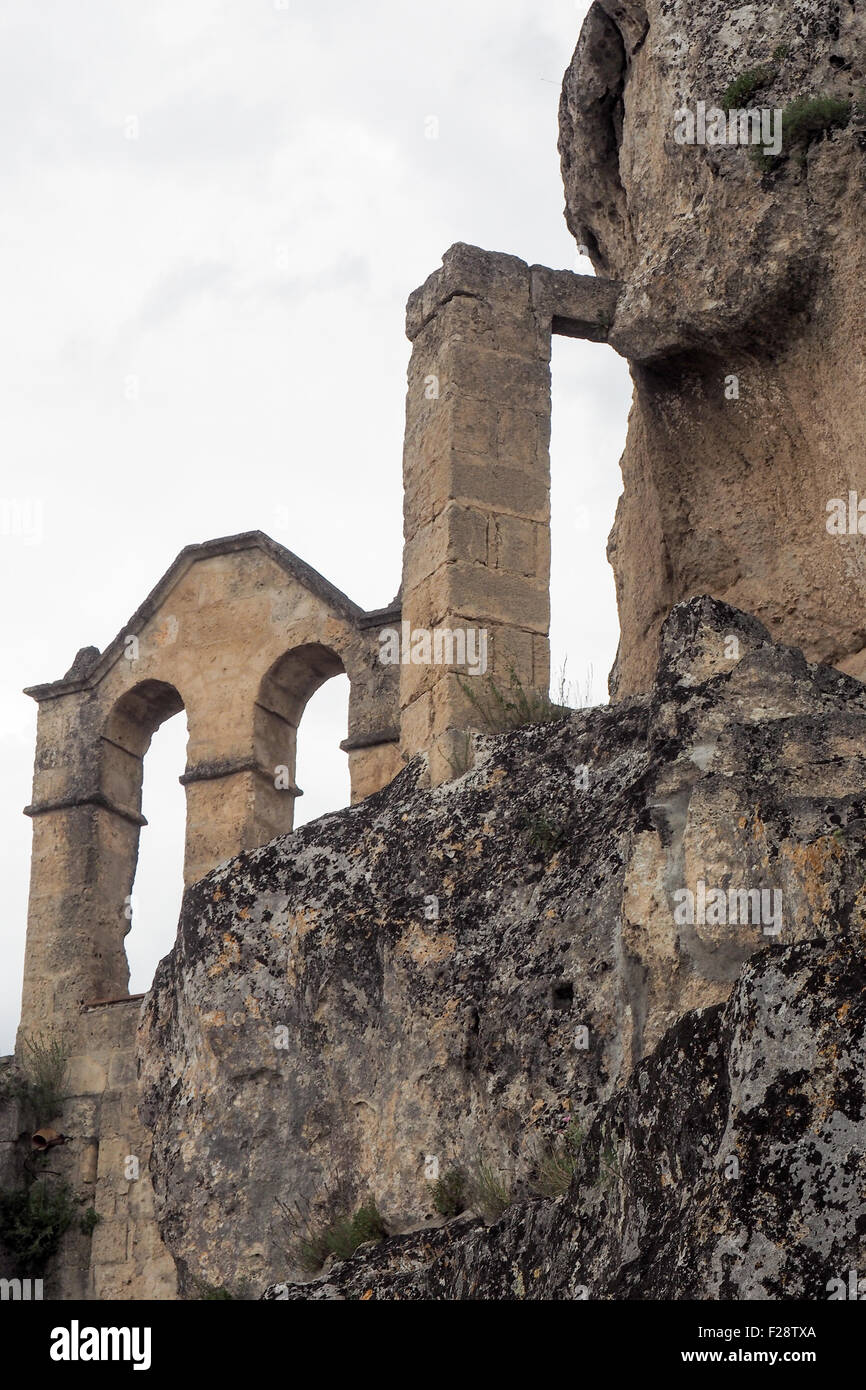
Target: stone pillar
x=476, y=478
x=476, y=472
x=83, y=861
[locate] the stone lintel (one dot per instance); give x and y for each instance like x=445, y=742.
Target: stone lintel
x=578, y=306
x=381, y=617
x=89, y=1005
x=351, y=745
x=70, y=803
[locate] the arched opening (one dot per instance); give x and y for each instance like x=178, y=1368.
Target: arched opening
x=126, y=739
x=591, y=398
x=157, y=888
x=322, y=766
x=284, y=695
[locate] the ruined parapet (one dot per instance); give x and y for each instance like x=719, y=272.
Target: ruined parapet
x=476, y=475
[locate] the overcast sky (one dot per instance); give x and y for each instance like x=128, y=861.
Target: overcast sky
x=211, y=215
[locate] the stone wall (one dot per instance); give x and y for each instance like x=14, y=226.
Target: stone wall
x=105, y=1160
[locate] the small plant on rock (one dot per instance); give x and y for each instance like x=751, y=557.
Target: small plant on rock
x=45, y=1074
x=449, y=1193
x=313, y=1240
x=740, y=92
x=557, y=1161
x=89, y=1221
x=489, y=1191
x=804, y=121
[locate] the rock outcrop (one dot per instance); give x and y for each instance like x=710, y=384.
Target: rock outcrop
x=742, y=314
x=456, y=972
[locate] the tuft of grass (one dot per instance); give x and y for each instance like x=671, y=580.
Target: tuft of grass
x=33, y=1220
x=739, y=93
x=340, y=1236
x=489, y=1191
x=44, y=1065
x=449, y=1193
x=503, y=709
x=557, y=1161
x=609, y=1167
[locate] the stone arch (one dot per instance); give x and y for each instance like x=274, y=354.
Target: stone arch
x=238, y=633
x=284, y=691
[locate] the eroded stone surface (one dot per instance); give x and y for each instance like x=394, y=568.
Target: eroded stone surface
x=457, y=1036
x=728, y=272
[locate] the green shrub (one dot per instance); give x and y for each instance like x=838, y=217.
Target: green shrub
x=809, y=117
x=449, y=1193
x=803, y=121
x=737, y=96
x=543, y=835
x=89, y=1221
x=33, y=1221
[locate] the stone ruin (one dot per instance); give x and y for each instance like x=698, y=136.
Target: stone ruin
x=724, y=494
x=239, y=633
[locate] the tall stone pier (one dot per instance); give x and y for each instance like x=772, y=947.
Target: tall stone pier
x=476, y=478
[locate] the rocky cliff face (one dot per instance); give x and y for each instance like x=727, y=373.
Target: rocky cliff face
x=455, y=973
x=742, y=314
